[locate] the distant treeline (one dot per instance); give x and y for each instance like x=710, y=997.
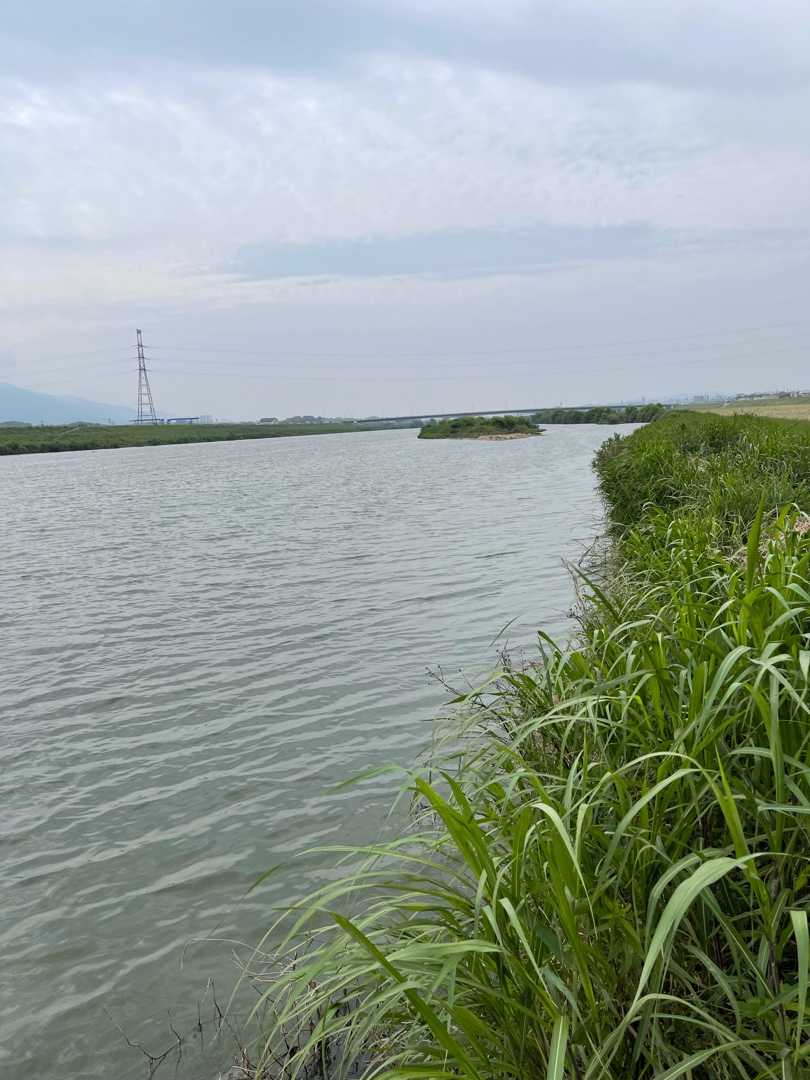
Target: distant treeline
x=45, y=440
x=601, y=414
x=322, y=420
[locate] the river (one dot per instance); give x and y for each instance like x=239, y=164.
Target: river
x=198, y=642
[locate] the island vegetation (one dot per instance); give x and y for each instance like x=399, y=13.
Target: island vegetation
x=479, y=427
x=39, y=440
x=605, y=874
x=601, y=414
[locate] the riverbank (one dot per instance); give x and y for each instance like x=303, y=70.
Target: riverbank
x=46, y=440
x=793, y=408
x=613, y=880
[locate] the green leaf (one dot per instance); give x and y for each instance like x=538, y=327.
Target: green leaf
x=437, y=1028
x=678, y=905
x=752, y=554
x=556, y=1055
x=689, y=1063
x=264, y=876
x=800, y=932
x=636, y=809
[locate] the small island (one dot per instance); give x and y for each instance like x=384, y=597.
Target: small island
x=485, y=428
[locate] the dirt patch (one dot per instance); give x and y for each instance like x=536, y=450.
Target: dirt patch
x=510, y=435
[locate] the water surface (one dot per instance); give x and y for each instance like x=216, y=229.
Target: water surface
x=197, y=643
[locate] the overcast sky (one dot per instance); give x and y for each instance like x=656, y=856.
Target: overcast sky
x=348, y=207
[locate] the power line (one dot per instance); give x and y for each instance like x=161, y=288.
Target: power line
x=518, y=369
x=670, y=344
x=615, y=364
x=282, y=358
x=625, y=343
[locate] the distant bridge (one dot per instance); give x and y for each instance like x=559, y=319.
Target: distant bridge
x=479, y=412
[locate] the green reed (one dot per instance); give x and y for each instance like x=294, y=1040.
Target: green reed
x=613, y=882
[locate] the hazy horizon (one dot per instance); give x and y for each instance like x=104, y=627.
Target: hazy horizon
x=362, y=207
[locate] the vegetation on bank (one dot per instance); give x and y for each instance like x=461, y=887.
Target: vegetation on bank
x=19, y=438
x=794, y=408
x=42, y=440
x=601, y=414
x=607, y=871
x=477, y=427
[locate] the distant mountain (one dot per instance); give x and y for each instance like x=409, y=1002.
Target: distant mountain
x=17, y=403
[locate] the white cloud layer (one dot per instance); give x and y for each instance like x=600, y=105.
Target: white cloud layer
x=396, y=181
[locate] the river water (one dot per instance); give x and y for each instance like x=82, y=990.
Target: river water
x=198, y=642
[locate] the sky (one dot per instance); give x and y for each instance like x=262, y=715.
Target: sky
x=356, y=207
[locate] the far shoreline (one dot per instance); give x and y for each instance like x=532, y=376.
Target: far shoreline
x=70, y=437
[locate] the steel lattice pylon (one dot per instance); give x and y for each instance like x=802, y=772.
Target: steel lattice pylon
x=146, y=406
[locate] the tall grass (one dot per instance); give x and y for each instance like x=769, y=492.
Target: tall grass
x=613, y=882
x=720, y=467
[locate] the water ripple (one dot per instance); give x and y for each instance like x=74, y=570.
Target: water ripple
x=198, y=642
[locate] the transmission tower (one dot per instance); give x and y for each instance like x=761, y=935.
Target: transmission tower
x=146, y=407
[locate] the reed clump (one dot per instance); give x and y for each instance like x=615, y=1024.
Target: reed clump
x=477, y=427
x=610, y=878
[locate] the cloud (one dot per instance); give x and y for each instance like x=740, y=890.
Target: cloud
x=720, y=44
x=208, y=166
x=455, y=254
x=387, y=172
